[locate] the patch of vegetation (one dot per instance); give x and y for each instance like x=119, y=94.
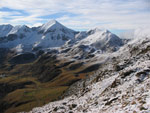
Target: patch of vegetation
x=24, y=93
x=91, y=68
x=75, y=66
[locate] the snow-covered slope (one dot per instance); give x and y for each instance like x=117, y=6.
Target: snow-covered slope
x=121, y=85
x=5, y=29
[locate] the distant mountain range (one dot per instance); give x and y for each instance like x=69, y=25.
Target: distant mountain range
x=53, y=34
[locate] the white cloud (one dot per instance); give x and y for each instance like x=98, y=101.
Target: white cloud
x=110, y=14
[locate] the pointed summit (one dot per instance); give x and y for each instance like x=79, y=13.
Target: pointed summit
x=52, y=26
x=51, y=23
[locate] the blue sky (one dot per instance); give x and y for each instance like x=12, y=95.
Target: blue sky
x=115, y=15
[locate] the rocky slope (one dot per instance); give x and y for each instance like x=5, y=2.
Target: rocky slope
x=121, y=85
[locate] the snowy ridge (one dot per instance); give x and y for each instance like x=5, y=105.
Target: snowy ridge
x=19, y=29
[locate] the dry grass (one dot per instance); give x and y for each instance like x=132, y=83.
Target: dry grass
x=38, y=92
x=26, y=99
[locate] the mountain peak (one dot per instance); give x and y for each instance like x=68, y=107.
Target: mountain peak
x=94, y=30
x=52, y=21
x=52, y=24
x=98, y=30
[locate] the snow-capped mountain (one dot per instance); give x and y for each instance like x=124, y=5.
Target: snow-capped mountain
x=54, y=26
x=101, y=39
x=53, y=34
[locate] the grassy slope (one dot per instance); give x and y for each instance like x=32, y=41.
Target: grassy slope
x=32, y=95
x=35, y=90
